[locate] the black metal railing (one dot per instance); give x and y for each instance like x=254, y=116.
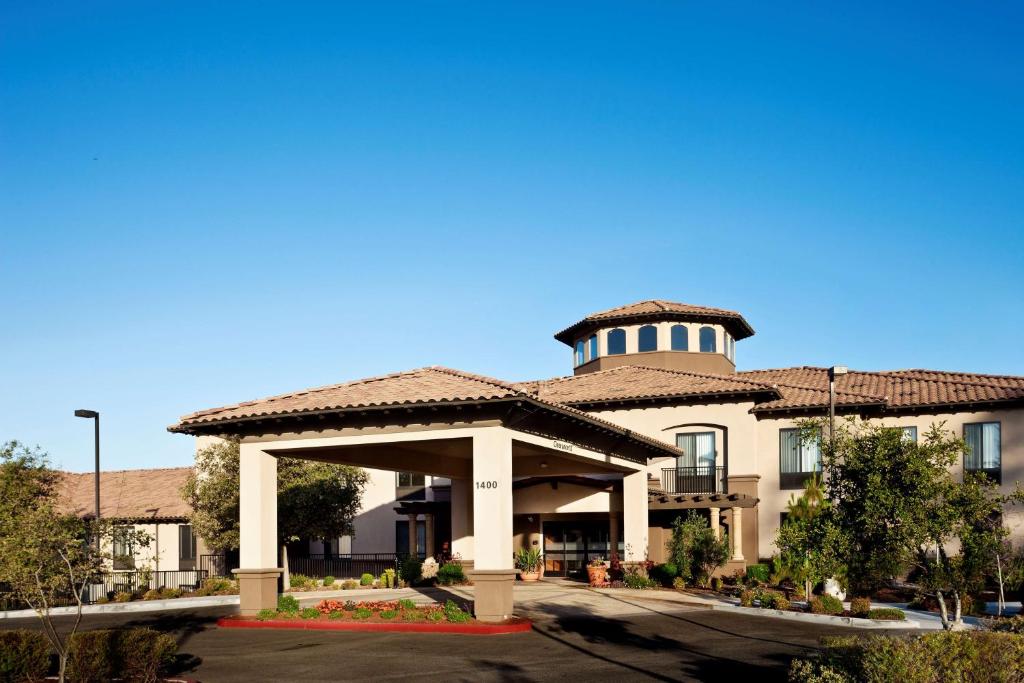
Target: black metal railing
x=343, y=566
x=218, y=564
x=708, y=480
x=106, y=586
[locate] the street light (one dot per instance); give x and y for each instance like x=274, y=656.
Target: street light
x=96, y=417
x=833, y=372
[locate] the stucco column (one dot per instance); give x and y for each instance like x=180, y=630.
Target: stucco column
x=493, y=572
x=613, y=534
x=736, y=533
x=716, y=528
x=428, y=524
x=462, y=521
x=259, y=571
x=634, y=515
x=412, y=535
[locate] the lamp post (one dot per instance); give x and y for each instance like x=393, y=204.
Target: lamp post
x=96, y=424
x=833, y=372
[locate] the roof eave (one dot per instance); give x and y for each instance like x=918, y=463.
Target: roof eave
x=737, y=324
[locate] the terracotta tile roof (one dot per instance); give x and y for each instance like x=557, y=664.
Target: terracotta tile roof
x=423, y=386
x=636, y=382
x=127, y=494
x=657, y=309
x=807, y=387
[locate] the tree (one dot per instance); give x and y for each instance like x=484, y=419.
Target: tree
x=46, y=556
x=810, y=542
x=314, y=499
x=895, y=504
x=694, y=549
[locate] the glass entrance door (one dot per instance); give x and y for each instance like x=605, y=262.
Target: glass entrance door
x=568, y=546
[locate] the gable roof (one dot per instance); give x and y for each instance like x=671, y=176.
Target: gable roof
x=653, y=310
x=127, y=494
x=424, y=387
x=638, y=382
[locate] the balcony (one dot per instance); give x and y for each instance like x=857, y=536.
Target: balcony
x=694, y=480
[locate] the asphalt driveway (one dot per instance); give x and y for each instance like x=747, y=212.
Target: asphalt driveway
x=577, y=634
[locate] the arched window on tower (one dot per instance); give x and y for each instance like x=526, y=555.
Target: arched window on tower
x=707, y=339
x=592, y=347
x=648, y=338
x=616, y=342
x=579, y=352
x=680, y=338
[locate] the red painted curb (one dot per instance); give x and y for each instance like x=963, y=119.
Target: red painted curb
x=515, y=625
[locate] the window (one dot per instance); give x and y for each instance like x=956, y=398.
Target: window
x=698, y=450
x=579, y=352
x=592, y=344
x=797, y=459
x=680, y=338
x=984, y=451
x=124, y=549
x=707, y=339
x=648, y=338
x=410, y=486
x=186, y=544
x=728, y=346
x=402, y=537
x=616, y=342
x=909, y=433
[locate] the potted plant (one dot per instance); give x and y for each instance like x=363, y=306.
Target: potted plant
x=597, y=571
x=528, y=562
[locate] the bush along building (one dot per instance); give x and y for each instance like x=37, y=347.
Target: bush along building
x=655, y=421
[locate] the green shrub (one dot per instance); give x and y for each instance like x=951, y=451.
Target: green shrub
x=337, y=614
x=454, y=613
x=362, y=613
x=301, y=581
x=309, y=613
x=388, y=579
x=746, y=598
x=435, y=616
x=122, y=596
x=886, y=614
x=135, y=654
x=1013, y=624
x=411, y=569
x=634, y=578
x=328, y=581
x=664, y=573
x=859, y=607
x=716, y=583
x=366, y=580
x=773, y=600
x=406, y=603
x=679, y=583
x=758, y=572
x=266, y=614
x=451, y=574
x=217, y=586
x=940, y=656
x=287, y=604
x=349, y=585
x=412, y=615
x=24, y=656
x=389, y=614
x=826, y=604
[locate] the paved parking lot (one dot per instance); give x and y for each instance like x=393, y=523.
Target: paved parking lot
x=577, y=633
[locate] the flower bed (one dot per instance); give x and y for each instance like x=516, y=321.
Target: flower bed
x=373, y=615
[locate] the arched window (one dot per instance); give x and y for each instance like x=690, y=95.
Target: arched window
x=707, y=339
x=728, y=345
x=648, y=338
x=616, y=342
x=680, y=338
x=579, y=352
x=592, y=343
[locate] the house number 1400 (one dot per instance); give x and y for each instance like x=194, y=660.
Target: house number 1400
x=487, y=484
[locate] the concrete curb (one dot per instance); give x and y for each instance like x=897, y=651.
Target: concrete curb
x=134, y=606
x=514, y=625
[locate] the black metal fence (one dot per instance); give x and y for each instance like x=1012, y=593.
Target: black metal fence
x=106, y=586
x=218, y=565
x=694, y=480
x=343, y=566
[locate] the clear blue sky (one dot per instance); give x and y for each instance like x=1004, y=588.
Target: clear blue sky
x=206, y=203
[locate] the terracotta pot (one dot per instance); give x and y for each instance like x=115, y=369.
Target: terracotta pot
x=597, y=575
x=529, y=576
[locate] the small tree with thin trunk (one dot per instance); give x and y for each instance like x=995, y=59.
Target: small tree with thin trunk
x=46, y=557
